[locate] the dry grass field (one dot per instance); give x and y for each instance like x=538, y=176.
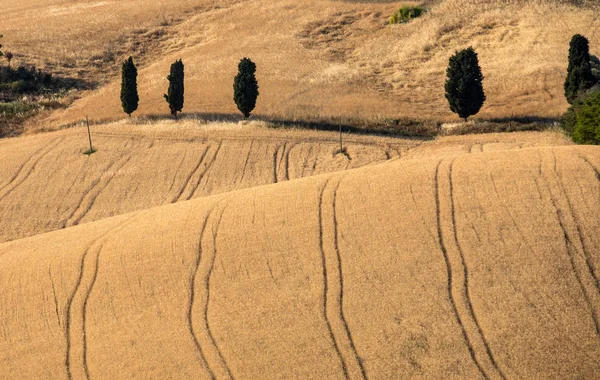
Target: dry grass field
x=222, y=249
x=461, y=257
x=315, y=57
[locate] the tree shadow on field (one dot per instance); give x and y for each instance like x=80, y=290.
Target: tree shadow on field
x=405, y=128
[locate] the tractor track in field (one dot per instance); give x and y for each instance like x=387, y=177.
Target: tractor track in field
x=179, y=165
x=571, y=249
x=189, y=316
x=246, y=162
x=286, y=160
x=87, y=200
x=101, y=240
x=206, y=172
x=333, y=289
x=451, y=284
x=465, y=272
x=341, y=294
x=591, y=165
x=580, y=234
x=204, y=338
x=28, y=167
x=179, y=194
x=325, y=286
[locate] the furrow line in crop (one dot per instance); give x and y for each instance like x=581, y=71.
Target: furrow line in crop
x=77, y=290
x=179, y=194
x=90, y=196
x=450, y=283
x=28, y=167
x=205, y=337
x=465, y=273
x=206, y=171
x=325, y=282
x=577, y=222
x=190, y=315
x=340, y=272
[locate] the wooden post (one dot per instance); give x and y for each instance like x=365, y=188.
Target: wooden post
x=87, y=122
x=341, y=146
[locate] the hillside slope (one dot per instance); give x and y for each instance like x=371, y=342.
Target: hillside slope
x=321, y=58
x=464, y=266
x=46, y=183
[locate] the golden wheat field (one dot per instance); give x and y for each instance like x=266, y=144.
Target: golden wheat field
x=213, y=248
x=460, y=257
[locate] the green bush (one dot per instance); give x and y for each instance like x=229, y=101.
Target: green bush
x=569, y=121
x=405, y=14
x=587, y=114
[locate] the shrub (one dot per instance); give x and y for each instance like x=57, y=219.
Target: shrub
x=245, y=87
x=405, y=14
x=587, y=114
x=579, y=71
x=568, y=121
x=174, y=96
x=595, y=65
x=464, y=87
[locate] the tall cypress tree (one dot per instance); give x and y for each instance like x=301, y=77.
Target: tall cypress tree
x=174, y=96
x=579, y=72
x=464, y=84
x=129, y=92
x=245, y=87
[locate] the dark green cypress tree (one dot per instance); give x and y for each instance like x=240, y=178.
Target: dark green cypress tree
x=174, y=96
x=579, y=72
x=464, y=84
x=129, y=92
x=245, y=87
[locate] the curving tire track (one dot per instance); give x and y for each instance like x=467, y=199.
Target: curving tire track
x=190, y=316
x=465, y=273
x=93, y=191
x=179, y=194
x=246, y=162
x=333, y=288
x=79, y=292
x=286, y=160
x=580, y=234
x=206, y=172
x=572, y=251
x=451, y=285
x=28, y=167
x=591, y=165
x=341, y=281
x=208, y=346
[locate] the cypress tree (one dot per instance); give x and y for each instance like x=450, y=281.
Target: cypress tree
x=174, y=96
x=129, y=92
x=579, y=72
x=245, y=87
x=464, y=87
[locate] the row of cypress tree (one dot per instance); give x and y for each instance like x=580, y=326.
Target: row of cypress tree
x=245, y=87
x=463, y=86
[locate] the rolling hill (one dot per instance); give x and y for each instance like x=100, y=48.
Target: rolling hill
x=448, y=261
x=315, y=58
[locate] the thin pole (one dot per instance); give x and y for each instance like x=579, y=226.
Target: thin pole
x=87, y=122
x=341, y=147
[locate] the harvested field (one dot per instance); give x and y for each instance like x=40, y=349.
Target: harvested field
x=457, y=265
